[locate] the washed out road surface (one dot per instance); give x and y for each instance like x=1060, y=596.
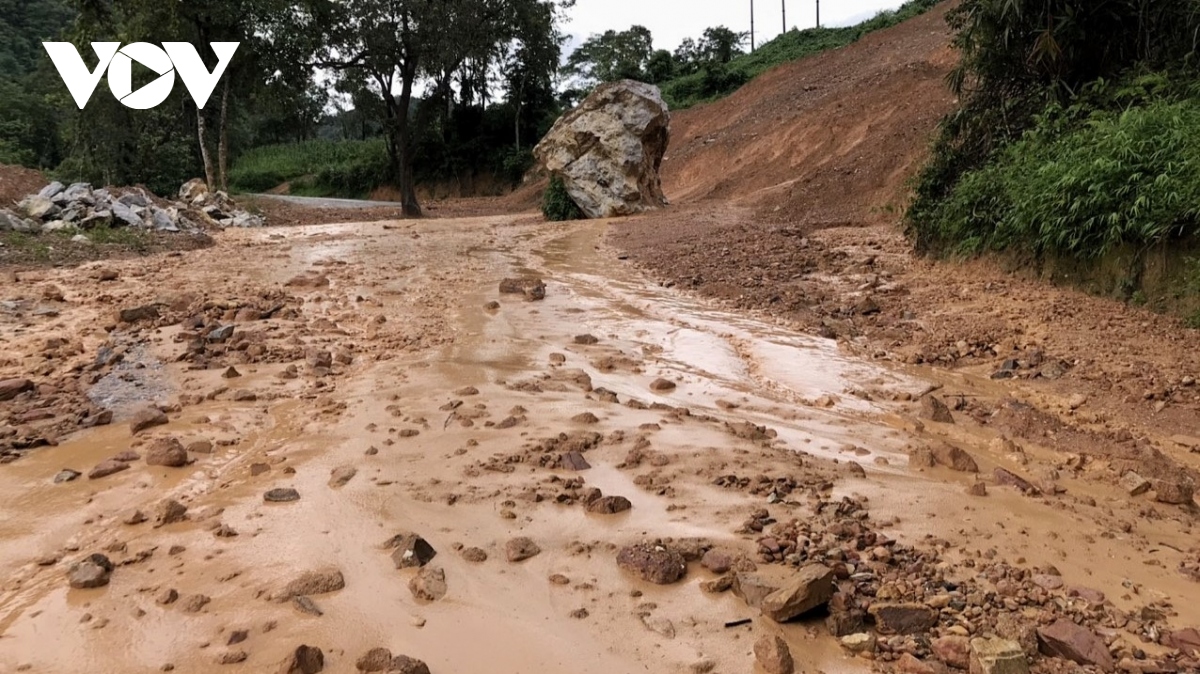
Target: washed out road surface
x=377, y=371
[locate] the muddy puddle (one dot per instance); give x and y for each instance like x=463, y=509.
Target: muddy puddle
x=437, y=412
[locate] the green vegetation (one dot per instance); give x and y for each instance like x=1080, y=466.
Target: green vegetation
x=557, y=205
x=714, y=80
x=314, y=168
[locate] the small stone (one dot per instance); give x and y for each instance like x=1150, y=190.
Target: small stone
x=977, y=489
x=90, y=572
x=952, y=650
x=520, y=549
x=531, y=287
x=997, y=656
x=169, y=511
x=773, y=655
x=811, y=587
x=167, y=597
x=194, y=603
x=341, y=475
x=656, y=564
x=753, y=588
x=661, y=385
x=410, y=551
x=954, y=458
x=429, y=584
x=1065, y=639
x=609, y=505
x=167, y=452
x=281, y=495
x=903, y=618
x=403, y=664
x=319, y=581
x=66, y=475
x=231, y=373
x=586, y=418
x=148, y=417
x=586, y=339
x=474, y=555
x=307, y=606
x=933, y=409
x=1174, y=492
x=861, y=642
x=135, y=517
x=717, y=560
x=374, y=660
x=1134, y=484
x=304, y=660
x=106, y=468
x=232, y=657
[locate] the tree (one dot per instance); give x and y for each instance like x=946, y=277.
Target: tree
x=613, y=56
x=391, y=45
x=720, y=44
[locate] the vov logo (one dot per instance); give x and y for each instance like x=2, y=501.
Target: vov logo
x=172, y=57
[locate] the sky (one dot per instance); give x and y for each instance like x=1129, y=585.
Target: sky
x=670, y=21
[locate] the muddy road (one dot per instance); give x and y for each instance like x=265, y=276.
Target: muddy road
x=376, y=370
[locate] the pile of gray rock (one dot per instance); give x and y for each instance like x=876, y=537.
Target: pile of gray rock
x=80, y=207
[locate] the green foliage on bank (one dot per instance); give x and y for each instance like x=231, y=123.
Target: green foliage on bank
x=350, y=168
x=557, y=204
x=715, y=80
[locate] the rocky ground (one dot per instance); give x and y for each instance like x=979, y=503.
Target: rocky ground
x=351, y=447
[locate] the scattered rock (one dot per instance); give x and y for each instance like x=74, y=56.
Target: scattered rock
x=977, y=488
x=773, y=655
x=1174, y=492
x=232, y=657
x=429, y=584
x=92, y=571
x=520, y=549
x=474, y=555
x=319, y=581
x=106, y=468
x=146, y=312
x=1134, y=484
x=954, y=458
x=281, y=495
x=231, y=373
x=859, y=643
x=147, y=418
x=811, y=587
x=341, y=475
x=1065, y=639
x=531, y=287
x=169, y=511
x=167, y=452
x=134, y=517
x=933, y=409
x=167, y=597
x=997, y=656
x=952, y=650
x=661, y=385
x=718, y=560
x=194, y=603
x=66, y=475
x=587, y=340
x=11, y=388
x=307, y=606
x=403, y=664
x=410, y=550
x=903, y=618
x=653, y=563
x=609, y=505
x=753, y=588
x=375, y=660
x=304, y=660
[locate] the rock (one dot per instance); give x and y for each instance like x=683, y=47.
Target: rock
x=375, y=660
x=952, y=650
x=811, y=587
x=124, y=215
x=146, y=312
x=1087, y=594
x=232, y=657
x=319, y=581
x=52, y=190
x=903, y=618
x=933, y=409
x=1011, y=479
x=106, y=468
x=429, y=584
x=609, y=505
x=167, y=597
x=608, y=150
x=1174, y=492
x=474, y=555
x=11, y=388
x=773, y=655
x=281, y=495
x=200, y=447
x=38, y=207
x=167, y=452
x=954, y=458
x=148, y=417
x=531, y=287
x=662, y=385
x=521, y=549
x=573, y=461
x=657, y=564
x=910, y=664
x=193, y=190
x=307, y=606
x=66, y=475
x=169, y=511
x=718, y=560
x=753, y=588
x=230, y=373
x=1047, y=581
x=304, y=660
x=339, y=476
x=1064, y=639
x=997, y=656
x=10, y=221
x=402, y=664
x=90, y=572
x=221, y=334
x=860, y=642
x=134, y=517
x=1187, y=641
x=977, y=488
x=410, y=551
x=586, y=340
x=1134, y=484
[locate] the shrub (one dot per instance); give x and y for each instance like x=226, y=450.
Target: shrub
x=557, y=204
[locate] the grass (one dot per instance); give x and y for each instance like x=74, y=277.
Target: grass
x=313, y=168
x=720, y=81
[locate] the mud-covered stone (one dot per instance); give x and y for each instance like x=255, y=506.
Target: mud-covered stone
x=653, y=563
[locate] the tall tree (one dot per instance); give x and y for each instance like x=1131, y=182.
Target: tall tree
x=613, y=56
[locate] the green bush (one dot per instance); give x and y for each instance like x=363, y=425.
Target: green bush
x=317, y=167
x=557, y=204
x=1078, y=187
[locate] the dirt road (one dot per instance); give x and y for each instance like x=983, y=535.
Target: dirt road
x=368, y=372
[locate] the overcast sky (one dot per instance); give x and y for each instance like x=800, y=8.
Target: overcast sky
x=670, y=21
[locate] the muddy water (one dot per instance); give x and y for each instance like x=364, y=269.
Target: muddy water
x=408, y=299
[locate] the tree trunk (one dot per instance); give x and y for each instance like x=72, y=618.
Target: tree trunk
x=202, y=132
x=223, y=147
x=408, y=187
